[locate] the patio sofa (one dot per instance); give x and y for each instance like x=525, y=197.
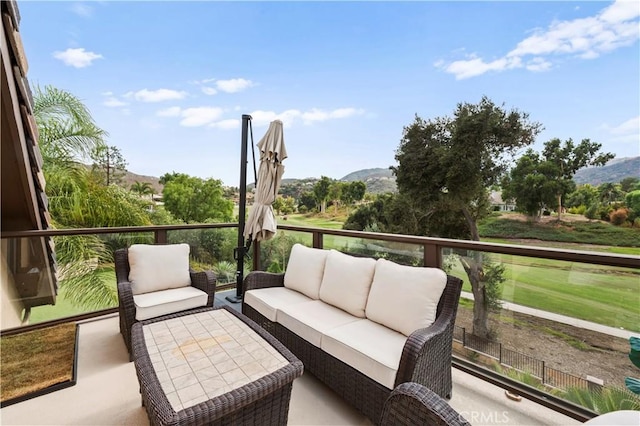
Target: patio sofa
x=360, y=325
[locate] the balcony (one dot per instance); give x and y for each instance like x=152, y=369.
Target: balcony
x=107, y=390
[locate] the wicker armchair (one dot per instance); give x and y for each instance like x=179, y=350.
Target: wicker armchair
x=414, y=404
x=205, y=281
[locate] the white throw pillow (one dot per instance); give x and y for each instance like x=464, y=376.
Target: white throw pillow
x=405, y=298
x=346, y=282
x=305, y=269
x=158, y=267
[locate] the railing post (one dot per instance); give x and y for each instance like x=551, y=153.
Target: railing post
x=317, y=240
x=256, y=255
x=500, y=354
x=464, y=337
x=160, y=236
x=431, y=256
x=544, y=373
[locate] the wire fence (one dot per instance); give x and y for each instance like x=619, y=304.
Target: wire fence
x=519, y=361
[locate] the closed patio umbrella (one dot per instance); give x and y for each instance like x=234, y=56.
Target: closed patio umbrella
x=261, y=223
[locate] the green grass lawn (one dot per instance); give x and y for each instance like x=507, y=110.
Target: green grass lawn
x=605, y=295
x=302, y=220
x=64, y=308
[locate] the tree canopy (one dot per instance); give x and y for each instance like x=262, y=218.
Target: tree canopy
x=542, y=180
x=193, y=199
x=449, y=162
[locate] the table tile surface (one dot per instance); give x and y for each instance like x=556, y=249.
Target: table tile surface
x=198, y=357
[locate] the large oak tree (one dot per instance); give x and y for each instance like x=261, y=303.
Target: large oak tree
x=445, y=166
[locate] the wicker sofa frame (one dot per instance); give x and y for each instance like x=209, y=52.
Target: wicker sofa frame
x=264, y=401
x=426, y=357
x=205, y=281
x=413, y=404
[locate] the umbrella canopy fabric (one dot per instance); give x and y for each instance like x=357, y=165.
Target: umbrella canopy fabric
x=261, y=223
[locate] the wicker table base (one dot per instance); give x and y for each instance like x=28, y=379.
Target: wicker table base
x=212, y=366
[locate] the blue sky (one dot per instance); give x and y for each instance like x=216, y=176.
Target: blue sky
x=170, y=81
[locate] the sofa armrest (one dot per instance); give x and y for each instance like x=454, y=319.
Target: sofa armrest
x=259, y=279
x=126, y=310
x=205, y=281
x=415, y=404
x=427, y=353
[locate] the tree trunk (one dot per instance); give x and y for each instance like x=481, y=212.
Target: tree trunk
x=559, y=206
x=473, y=267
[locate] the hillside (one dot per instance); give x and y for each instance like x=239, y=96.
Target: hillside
x=615, y=170
x=130, y=178
x=378, y=180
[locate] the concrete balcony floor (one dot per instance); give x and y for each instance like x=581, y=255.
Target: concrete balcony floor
x=106, y=393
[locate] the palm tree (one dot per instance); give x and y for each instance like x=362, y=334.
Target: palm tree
x=67, y=132
x=67, y=136
x=142, y=188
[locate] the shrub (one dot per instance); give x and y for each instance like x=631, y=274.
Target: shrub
x=581, y=209
x=592, y=212
x=618, y=217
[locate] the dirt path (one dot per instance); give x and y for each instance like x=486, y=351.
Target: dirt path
x=570, y=349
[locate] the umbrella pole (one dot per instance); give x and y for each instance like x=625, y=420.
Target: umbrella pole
x=240, y=251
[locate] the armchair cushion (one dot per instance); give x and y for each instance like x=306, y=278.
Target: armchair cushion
x=158, y=267
x=305, y=269
x=164, y=302
x=405, y=298
x=346, y=282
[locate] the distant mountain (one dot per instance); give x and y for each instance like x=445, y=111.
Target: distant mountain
x=378, y=180
x=614, y=171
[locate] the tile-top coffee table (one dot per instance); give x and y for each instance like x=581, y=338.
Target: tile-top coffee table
x=212, y=366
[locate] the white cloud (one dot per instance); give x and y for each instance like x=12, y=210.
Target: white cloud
x=82, y=9
x=288, y=117
x=320, y=115
x=208, y=90
x=234, y=85
x=538, y=64
x=169, y=112
x=78, y=58
x=159, y=95
x=200, y=116
x=629, y=127
x=114, y=102
x=613, y=27
x=476, y=66
x=226, y=124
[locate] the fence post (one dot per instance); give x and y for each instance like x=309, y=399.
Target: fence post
x=464, y=337
x=500, y=357
x=544, y=373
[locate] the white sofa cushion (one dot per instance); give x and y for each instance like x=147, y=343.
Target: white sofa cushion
x=158, y=267
x=158, y=303
x=369, y=347
x=305, y=269
x=405, y=298
x=346, y=282
x=267, y=301
x=311, y=319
